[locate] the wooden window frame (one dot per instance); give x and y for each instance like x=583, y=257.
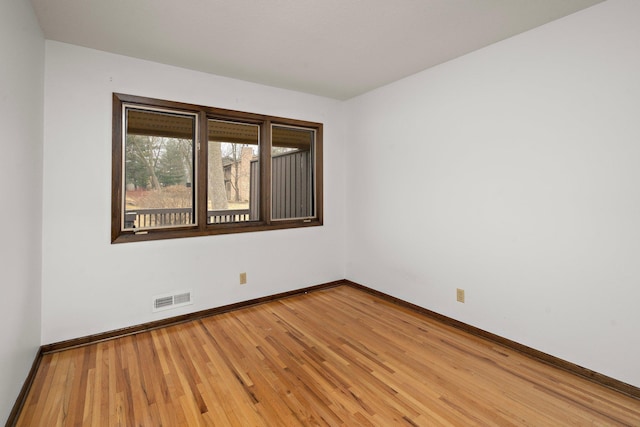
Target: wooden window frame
x=201, y=227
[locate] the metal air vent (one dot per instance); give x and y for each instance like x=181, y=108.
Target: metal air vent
x=172, y=300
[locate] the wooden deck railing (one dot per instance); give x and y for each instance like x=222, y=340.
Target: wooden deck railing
x=228, y=215
x=150, y=218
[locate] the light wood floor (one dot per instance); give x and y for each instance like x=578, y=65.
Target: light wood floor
x=337, y=357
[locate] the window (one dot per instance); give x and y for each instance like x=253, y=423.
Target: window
x=183, y=170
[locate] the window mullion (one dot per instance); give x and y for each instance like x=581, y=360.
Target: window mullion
x=202, y=170
x=265, y=172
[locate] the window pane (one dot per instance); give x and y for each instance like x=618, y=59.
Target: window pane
x=234, y=178
x=292, y=172
x=158, y=169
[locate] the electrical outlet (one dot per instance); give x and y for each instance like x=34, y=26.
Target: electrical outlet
x=243, y=278
x=460, y=295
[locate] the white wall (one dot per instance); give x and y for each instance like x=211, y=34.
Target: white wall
x=514, y=173
x=90, y=285
x=21, y=99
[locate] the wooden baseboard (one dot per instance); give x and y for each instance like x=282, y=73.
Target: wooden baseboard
x=593, y=376
x=91, y=339
x=24, y=391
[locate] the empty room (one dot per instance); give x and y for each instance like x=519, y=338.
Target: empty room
x=336, y=213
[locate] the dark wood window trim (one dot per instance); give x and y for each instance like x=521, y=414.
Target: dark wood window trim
x=201, y=227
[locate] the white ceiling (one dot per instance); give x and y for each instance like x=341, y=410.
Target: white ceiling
x=334, y=48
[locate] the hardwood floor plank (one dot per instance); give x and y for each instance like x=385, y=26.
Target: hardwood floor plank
x=334, y=357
